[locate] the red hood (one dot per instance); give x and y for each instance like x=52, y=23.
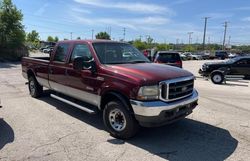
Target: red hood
x=148, y=73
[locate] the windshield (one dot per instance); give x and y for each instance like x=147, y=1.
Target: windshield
x=118, y=53
x=233, y=60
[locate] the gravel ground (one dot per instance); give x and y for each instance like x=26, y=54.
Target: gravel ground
x=46, y=129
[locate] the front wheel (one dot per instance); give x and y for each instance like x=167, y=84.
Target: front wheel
x=118, y=120
x=217, y=78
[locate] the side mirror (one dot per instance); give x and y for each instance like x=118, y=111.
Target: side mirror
x=81, y=63
x=78, y=63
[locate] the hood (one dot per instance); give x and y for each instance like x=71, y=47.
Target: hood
x=216, y=63
x=148, y=73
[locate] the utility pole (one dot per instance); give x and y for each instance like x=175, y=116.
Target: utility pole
x=190, y=37
x=225, y=34
x=177, y=42
x=140, y=37
x=229, y=40
x=205, y=30
x=92, y=34
x=124, y=33
x=110, y=32
x=71, y=35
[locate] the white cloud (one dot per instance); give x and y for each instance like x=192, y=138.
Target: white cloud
x=132, y=23
x=129, y=6
x=246, y=19
x=217, y=15
x=243, y=8
x=178, y=2
x=80, y=10
x=41, y=10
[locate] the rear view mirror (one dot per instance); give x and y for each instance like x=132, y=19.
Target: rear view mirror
x=78, y=63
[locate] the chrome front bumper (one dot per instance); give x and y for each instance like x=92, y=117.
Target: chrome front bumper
x=154, y=108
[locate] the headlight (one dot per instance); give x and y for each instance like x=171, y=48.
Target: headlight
x=148, y=93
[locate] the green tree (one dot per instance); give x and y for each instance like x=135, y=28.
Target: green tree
x=50, y=39
x=189, y=48
x=103, y=35
x=139, y=44
x=56, y=39
x=163, y=47
x=32, y=36
x=78, y=38
x=11, y=29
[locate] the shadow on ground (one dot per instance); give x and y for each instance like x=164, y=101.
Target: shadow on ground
x=6, y=133
x=186, y=140
x=9, y=64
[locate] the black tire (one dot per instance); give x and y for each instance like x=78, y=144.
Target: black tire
x=35, y=89
x=131, y=125
x=217, y=77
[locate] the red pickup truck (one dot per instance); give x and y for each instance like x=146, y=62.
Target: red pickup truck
x=116, y=79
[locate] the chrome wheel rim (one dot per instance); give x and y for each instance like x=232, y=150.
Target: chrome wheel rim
x=32, y=87
x=117, y=120
x=217, y=78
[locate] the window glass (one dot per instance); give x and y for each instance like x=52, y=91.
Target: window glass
x=61, y=52
x=81, y=50
x=168, y=57
x=118, y=53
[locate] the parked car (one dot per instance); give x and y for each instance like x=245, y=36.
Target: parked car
x=218, y=70
x=191, y=56
x=94, y=76
x=221, y=55
x=183, y=57
x=204, y=55
x=48, y=50
x=168, y=58
x=231, y=55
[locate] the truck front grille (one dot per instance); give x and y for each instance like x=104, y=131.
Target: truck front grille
x=175, y=89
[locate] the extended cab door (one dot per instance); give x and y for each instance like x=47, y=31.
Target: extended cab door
x=241, y=67
x=82, y=84
x=57, y=68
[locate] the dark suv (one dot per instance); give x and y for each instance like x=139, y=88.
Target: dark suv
x=221, y=55
x=168, y=58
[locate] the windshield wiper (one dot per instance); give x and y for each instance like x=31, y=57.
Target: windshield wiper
x=139, y=61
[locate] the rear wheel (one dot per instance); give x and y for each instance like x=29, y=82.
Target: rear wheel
x=35, y=89
x=118, y=120
x=217, y=77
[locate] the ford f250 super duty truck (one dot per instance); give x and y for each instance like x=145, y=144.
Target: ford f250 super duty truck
x=116, y=79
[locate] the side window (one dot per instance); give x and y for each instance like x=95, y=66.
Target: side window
x=61, y=52
x=81, y=50
x=243, y=62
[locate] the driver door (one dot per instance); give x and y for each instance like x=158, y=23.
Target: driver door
x=241, y=67
x=82, y=84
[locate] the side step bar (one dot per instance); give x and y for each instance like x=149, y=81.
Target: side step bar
x=73, y=104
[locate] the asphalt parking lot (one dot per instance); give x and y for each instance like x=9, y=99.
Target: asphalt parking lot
x=46, y=129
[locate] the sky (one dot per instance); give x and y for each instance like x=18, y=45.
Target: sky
x=166, y=21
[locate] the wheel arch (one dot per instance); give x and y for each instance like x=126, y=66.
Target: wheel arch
x=30, y=73
x=115, y=95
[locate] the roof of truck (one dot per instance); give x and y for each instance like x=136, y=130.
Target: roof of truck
x=90, y=41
